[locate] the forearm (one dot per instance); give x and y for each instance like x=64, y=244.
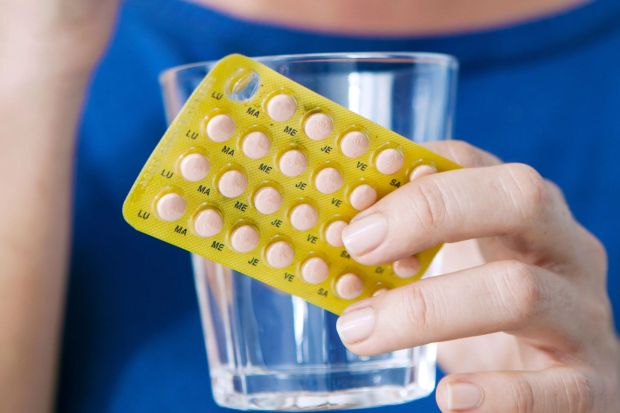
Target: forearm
x=36, y=160
x=47, y=52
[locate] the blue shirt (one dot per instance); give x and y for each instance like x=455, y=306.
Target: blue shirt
x=545, y=93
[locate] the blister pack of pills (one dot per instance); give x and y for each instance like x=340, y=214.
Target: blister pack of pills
x=261, y=174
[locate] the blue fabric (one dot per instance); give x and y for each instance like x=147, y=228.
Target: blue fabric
x=546, y=93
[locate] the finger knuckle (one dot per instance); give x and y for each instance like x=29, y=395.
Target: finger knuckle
x=524, y=289
x=524, y=397
x=529, y=191
x=597, y=251
x=416, y=308
x=428, y=202
x=580, y=392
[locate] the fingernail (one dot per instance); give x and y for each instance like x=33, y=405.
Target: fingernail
x=356, y=325
x=365, y=234
x=463, y=396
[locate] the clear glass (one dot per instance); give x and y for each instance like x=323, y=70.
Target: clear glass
x=272, y=351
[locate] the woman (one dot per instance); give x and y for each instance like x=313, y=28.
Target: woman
x=544, y=92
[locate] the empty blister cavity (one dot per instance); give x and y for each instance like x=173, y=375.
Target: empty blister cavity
x=267, y=200
x=281, y=107
x=303, y=217
x=220, y=128
x=208, y=222
x=170, y=207
x=244, y=238
x=314, y=270
x=279, y=254
x=328, y=180
x=363, y=196
x=243, y=85
x=318, y=126
x=389, y=161
x=293, y=163
x=422, y=170
x=354, y=144
x=232, y=183
x=407, y=267
x=333, y=233
x=349, y=286
x=255, y=145
x=194, y=167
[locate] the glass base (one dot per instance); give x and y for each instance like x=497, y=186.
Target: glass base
x=329, y=390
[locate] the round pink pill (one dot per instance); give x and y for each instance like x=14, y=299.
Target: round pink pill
x=389, y=161
x=333, y=233
x=232, y=183
x=170, y=207
x=220, y=128
x=349, y=286
x=379, y=292
x=194, y=167
x=362, y=197
x=407, y=267
x=328, y=180
x=422, y=170
x=279, y=254
x=293, y=163
x=304, y=217
x=281, y=107
x=244, y=238
x=267, y=200
x=256, y=145
x=208, y=222
x=354, y=144
x=314, y=270
x=318, y=126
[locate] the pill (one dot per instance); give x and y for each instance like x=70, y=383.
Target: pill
x=328, y=180
x=314, y=270
x=349, y=286
x=362, y=197
x=194, y=167
x=281, y=107
x=267, y=200
x=422, y=170
x=293, y=163
x=170, y=207
x=333, y=233
x=318, y=126
x=304, y=217
x=389, y=161
x=379, y=292
x=220, y=128
x=407, y=267
x=208, y=222
x=244, y=238
x=232, y=183
x=256, y=145
x=354, y=144
x=279, y=254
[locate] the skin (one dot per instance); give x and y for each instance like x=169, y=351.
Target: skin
x=528, y=284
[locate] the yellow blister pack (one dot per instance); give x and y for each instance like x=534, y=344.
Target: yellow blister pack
x=260, y=174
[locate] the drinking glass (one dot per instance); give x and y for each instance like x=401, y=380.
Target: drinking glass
x=268, y=350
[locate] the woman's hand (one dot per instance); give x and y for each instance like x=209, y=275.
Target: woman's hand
x=530, y=322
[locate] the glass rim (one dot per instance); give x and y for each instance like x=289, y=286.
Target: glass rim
x=438, y=59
